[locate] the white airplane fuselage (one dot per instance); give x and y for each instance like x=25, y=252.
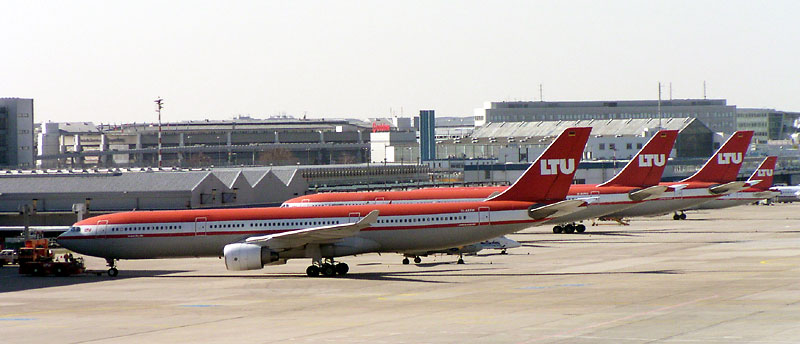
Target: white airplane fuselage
x=736, y=199
x=194, y=233
x=598, y=204
x=669, y=201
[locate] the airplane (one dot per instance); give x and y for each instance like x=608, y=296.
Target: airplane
x=501, y=243
x=790, y=193
x=760, y=181
x=716, y=178
x=636, y=182
x=250, y=238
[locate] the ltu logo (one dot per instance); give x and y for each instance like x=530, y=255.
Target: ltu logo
x=649, y=160
x=764, y=173
x=728, y=158
x=552, y=166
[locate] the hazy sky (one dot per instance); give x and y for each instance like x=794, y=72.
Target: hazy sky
x=106, y=61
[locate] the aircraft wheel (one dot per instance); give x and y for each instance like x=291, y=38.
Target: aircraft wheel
x=312, y=271
x=569, y=229
x=328, y=270
x=406, y=261
x=676, y=217
x=460, y=261
x=417, y=260
x=113, y=272
x=558, y=229
x=342, y=269
x=580, y=228
x=683, y=216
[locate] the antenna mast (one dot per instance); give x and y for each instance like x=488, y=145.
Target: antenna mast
x=704, y=89
x=159, y=105
x=541, y=97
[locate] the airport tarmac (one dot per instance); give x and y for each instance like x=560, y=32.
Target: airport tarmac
x=722, y=276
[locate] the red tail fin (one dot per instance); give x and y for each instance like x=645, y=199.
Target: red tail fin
x=724, y=166
x=549, y=177
x=764, y=173
x=646, y=168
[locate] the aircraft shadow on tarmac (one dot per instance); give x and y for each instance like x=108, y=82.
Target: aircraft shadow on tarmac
x=413, y=276
x=10, y=280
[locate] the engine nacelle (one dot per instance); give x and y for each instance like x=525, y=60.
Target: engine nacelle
x=247, y=256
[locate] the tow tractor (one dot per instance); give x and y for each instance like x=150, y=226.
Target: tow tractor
x=37, y=259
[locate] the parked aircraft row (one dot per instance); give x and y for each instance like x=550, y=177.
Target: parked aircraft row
x=414, y=223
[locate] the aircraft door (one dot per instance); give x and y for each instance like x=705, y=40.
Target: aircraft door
x=200, y=226
x=102, y=229
x=483, y=216
x=354, y=217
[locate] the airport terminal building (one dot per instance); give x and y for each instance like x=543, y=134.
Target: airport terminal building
x=715, y=113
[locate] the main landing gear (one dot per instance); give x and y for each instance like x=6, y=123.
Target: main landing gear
x=328, y=269
x=112, y=270
x=569, y=228
x=681, y=216
x=417, y=260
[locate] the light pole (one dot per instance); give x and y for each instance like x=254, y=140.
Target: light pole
x=188, y=148
x=219, y=151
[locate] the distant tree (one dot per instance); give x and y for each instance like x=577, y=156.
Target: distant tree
x=199, y=160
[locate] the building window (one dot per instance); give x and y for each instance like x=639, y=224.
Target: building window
x=601, y=146
x=638, y=146
x=629, y=146
x=612, y=146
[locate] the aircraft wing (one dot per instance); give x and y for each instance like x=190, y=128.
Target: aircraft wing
x=315, y=235
x=647, y=193
x=728, y=188
x=558, y=209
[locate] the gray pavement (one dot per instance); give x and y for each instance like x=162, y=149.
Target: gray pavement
x=723, y=276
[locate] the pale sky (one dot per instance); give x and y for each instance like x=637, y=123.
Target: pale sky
x=106, y=61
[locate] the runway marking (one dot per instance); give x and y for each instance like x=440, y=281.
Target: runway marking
x=17, y=319
x=571, y=333
x=771, y=261
x=553, y=286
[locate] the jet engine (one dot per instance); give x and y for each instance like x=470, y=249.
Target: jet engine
x=241, y=256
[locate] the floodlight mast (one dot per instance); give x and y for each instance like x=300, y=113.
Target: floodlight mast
x=159, y=105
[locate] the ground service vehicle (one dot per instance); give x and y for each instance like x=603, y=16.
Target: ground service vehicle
x=37, y=259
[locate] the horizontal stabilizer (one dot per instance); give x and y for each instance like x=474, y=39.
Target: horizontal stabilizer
x=648, y=193
x=765, y=194
x=558, y=209
x=323, y=234
x=752, y=182
x=728, y=188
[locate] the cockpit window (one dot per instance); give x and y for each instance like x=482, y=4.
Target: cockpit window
x=75, y=229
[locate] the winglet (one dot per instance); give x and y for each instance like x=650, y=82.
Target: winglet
x=724, y=166
x=549, y=177
x=646, y=168
x=761, y=179
x=368, y=220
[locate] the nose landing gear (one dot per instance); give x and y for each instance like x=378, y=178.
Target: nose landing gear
x=112, y=270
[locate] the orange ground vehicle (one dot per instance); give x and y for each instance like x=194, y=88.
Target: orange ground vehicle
x=36, y=258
